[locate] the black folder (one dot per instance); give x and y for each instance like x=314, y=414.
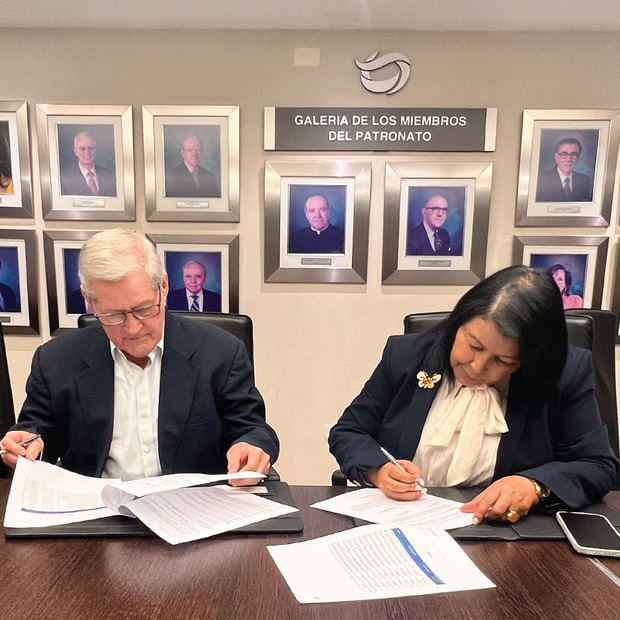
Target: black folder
x=127, y=526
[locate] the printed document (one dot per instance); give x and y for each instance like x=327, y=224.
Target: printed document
x=372, y=505
x=42, y=495
x=376, y=561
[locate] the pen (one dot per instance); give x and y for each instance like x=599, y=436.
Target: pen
x=419, y=481
x=23, y=443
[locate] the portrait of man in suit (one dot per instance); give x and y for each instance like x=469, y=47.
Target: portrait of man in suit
x=562, y=182
x=75, y=302
x=191, y=179
x=9, y=300
x=427, y=233
x=194, y=297
x=316, y=215
x=80, y=175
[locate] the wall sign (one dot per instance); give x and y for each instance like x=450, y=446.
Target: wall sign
x=380, y=129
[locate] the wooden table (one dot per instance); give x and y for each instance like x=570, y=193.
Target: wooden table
x=233, y=577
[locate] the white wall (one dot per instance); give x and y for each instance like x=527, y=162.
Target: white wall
x=315, y=345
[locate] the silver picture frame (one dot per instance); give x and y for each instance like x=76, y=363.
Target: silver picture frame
x=540, y=198
x=64, y=193
x=15, y=141
x=219, y=256
x=467, y=186
x=582, y=256
x=170, y=192
x=287, y=184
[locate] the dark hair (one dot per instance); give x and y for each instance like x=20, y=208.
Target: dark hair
x=5, y=154
x=524, y=304
x=568, y=141
x=568, y=278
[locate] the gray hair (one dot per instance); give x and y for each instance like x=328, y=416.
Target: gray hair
x=195, y=262
x=111, y=254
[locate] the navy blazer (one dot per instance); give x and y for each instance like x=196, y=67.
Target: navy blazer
x=73, y=183
x=418, y=243
x=207, y=399
x=550, y=188
x=558, y=440
x=177, y=300
x=180, y=183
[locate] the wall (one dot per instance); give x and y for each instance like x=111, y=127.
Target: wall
x=315, y=345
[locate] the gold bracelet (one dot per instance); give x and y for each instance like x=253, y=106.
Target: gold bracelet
x=542, y=492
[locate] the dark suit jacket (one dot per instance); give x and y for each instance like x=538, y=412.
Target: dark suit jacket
x=73, y=183
x=307, y=241
x=9, y=298
x=177, y=300
x=418, y=243
x=558, y=440
x=180, y=184
x=550, y=187
x=207, y=399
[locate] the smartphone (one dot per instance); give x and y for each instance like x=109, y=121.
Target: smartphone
x=590, y=533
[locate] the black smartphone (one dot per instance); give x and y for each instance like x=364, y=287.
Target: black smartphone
x=590, y=533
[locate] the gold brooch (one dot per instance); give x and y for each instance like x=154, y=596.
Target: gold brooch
x=424, y=381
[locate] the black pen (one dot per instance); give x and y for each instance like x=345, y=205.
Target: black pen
x=391, y=459
x=23, y=443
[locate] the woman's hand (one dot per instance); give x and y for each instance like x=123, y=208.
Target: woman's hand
x=395, y=483
x=507, y=499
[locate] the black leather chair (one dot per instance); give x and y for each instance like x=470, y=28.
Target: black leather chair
x=239, y=325
x=7, y=412
x=589, y=329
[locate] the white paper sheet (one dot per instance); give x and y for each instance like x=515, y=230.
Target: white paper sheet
x=189, y=514
x=375, y=561
x=372, y=505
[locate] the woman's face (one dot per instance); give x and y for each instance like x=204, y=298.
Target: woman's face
x=481, y=355
x=560, y=279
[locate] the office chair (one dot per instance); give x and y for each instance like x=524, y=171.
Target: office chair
x=589, y=329
x=239, y=325
x=7, y=412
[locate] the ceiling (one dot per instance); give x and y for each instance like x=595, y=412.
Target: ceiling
x=488, y=15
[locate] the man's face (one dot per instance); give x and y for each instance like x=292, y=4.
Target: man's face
x=191, y=151
x=435, y=212
x=194, y=277
x=85, y=149
x=317, y=212
x=566, y=158
x=135, y=338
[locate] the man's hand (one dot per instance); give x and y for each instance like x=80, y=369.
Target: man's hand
x=396, y=483
x=11, y=443
x=243, y=456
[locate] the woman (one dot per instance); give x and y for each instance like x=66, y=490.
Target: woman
x=493, y=396
x=564, y=281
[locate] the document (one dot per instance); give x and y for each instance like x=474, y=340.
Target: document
x=376, y=561
x=372, y=505
x=42, y=495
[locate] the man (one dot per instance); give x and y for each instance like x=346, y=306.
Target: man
x=8, y=299
x=194, y=297
x=83, y=177
x=320, y=237
x=143, y=392
x=562, y=183
x=429, y=238
x=189, y=179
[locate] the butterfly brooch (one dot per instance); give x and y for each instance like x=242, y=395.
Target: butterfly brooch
x=427, y=382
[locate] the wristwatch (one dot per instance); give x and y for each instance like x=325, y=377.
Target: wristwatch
x=542, y=492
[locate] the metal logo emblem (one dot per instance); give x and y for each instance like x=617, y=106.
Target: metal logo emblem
x=390, y=85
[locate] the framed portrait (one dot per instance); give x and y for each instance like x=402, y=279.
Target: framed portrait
x=433, y=212
x=316, y=221
x=19, y=313
x=15, y=172
x=577, y=264
x=61, y=250
x=203, y=271
x=86, y=161
x=191, y=160
x=567, y=167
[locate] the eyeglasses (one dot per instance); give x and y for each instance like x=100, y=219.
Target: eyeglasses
x=437, y=210
x=565, y=155
x=116, y=318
